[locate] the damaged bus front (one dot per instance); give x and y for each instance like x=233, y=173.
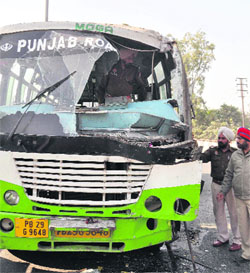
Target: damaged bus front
x=84, y=169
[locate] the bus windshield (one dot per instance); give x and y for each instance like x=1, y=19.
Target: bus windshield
x=32, y=61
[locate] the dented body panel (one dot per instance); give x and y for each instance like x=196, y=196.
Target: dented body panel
x=77, y=175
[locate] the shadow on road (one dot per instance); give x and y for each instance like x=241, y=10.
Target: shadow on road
x=135, y=261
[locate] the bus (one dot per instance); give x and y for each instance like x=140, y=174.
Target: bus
x=78, y=174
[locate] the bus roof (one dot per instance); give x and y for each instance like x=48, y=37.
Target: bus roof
x=145, y=36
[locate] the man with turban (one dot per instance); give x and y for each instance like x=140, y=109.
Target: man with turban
x=219, y=157
x=238, y=177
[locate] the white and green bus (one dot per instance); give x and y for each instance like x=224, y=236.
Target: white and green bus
x=78, y=175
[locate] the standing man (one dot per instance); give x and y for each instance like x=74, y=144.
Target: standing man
x=238, y=176
x=219, y=157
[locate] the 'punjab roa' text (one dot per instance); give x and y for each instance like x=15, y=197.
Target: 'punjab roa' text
x=62, y=42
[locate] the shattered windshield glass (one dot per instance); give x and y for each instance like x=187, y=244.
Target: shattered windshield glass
x=32, y=61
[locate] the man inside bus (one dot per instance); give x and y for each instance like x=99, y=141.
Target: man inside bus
x=124, y=79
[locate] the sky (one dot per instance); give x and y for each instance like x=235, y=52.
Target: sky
x=225, y=22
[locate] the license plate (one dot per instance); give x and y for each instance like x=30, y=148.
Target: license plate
x=82, y=233
x=32, y=228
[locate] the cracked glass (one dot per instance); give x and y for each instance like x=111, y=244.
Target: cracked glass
x=32, y=61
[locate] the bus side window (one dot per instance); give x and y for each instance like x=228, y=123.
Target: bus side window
x=161, y=80
x=157, y=83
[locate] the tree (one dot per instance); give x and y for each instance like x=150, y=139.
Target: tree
x=207, y=122
x=197, y=54
x=229, y=114
x=247, y=120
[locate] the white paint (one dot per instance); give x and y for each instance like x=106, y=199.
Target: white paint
x=8, y=170
x=183, y=174
x=161, y=176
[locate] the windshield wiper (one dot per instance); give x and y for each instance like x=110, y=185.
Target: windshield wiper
x=41, y=94
x=49, y=89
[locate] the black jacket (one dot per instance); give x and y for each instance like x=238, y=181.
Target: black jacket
x=122, y=82
x=219, y=161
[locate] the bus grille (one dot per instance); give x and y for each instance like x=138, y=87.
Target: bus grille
x=81, y=180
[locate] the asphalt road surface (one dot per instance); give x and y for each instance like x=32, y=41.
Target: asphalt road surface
x=200, y=233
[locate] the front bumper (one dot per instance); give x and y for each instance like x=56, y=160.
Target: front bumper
x=125, y=234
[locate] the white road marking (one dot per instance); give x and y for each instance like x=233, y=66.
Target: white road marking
x=8, y=256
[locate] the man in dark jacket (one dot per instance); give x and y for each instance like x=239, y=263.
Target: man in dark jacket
x=238, y=177
x=219, y=157
x=124, y=79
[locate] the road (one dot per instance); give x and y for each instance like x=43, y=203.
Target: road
x=201, y=234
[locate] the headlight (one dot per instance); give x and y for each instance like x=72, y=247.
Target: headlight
x=11, y=197
x=6, y=225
